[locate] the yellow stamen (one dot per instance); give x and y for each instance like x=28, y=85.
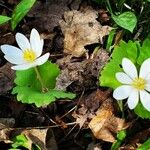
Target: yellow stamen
x=29, y=55
x=139, y=83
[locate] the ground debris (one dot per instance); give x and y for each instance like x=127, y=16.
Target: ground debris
x=43, y=137
x=48, y=15
x=88, y=105
x=82, y=74
x=105, y=124
x=80, y=28
x=6, y=78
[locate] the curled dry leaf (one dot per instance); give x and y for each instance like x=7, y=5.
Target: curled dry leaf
x=81, y=29
x=105, y=124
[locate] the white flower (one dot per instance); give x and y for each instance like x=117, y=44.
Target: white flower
x=134, y=87
x=28, y=55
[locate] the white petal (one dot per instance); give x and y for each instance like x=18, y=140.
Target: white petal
x=12, y=54
x=145, y=99
x=24, y=66
x=145, y=69
x=133, y=99
x=147, y=78
x=22, y=41
x=123, y=78
x=41, y=60
x=36, y=42
x=129, y=68
x=122, y=92
x=147, y=87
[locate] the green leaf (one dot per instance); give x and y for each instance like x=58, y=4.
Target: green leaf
x=142, y=112
x=32, y=96
x=20, y=140
x=110, y=40
x=120, y=137
x=126, y=20
x=20, y=11
x=28, y=87
x=48, y=72
x=145, y=145
x=128, y=50
x=144, y=51
x=4, y=19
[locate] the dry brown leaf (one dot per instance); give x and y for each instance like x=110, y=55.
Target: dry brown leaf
x=104, y=125
x=89, y=104
x=93, y=146
x=37, y=136
x=81, y=116
x=81, y=74
x=81, y=29
x=49, y=16
x=5, y=129
x=6, y=78
x=6, y=123
x=44, y=138
x=41, y=137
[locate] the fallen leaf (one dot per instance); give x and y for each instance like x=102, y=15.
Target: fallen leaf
x=93, y=146
x=81, y=29
x=43, y=137
x=50, y=13
x=96, y=99
x=88, y=105
x=81, y=116
x=6, y=78
x=80, y=75
x=6, y=122
x=105, y=124
x=37, y=136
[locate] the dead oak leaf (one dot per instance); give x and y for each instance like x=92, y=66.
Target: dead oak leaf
x=105, y=124
x=81, y=29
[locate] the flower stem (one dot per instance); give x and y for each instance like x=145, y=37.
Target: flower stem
x=120, y=103
x=44, y=89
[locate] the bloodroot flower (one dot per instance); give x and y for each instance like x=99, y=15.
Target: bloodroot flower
x=134, y=87
x=28, y=55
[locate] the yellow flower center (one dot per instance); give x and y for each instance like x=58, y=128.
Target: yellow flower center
x=139, y=83
x=29, y=55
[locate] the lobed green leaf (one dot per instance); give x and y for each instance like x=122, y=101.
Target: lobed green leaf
x=128, y=50
x=30, y=95
x=144, y=51
x=28, y=87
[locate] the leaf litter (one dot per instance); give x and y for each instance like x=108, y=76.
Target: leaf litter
x=80, y=28
x=95, y=111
